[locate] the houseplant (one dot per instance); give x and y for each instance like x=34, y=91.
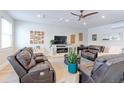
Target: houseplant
x=51, y=43
x=72, y=60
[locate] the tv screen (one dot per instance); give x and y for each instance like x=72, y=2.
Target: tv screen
x=60, y=39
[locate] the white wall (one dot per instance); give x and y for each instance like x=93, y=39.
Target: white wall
x=23, y=28
x=106, y=29
x=5, y=52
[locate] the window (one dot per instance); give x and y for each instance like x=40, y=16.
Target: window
x=6, y=35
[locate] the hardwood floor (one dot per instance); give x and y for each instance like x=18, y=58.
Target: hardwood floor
x=8, y=75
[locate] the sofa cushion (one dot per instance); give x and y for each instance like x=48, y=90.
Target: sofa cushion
x=97, y=48
x=38, y=54
x=102, y=60
x=24, y=58
x=39, y=67
x=32, y=63
x=30, y=50
x=40, y=59
x=93, y=51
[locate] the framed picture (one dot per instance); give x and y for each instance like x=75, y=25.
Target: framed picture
x=94, y=37
x=36, y=37
x=72, y=39
x=80, y=36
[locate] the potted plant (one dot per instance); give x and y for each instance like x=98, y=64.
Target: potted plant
x=51, y=43
x=72, y=62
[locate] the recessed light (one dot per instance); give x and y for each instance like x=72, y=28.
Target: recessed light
x=66, y=20
x=60, y=19
x=102, y=16
x=84, y=23
x=38, y=15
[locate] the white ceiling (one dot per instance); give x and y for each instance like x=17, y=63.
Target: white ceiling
x=58, y=17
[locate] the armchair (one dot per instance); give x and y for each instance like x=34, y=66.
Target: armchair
x=106, y=70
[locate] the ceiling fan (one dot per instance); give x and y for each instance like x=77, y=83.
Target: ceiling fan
x=82, y=15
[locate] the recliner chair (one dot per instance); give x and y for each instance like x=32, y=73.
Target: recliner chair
x=91, y=52
x=37, y=70
x=107, y=69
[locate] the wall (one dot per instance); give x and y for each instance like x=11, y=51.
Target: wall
x=106, y=29
x=7, y=51
x=23, y=28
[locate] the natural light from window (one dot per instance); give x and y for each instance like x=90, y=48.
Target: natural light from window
x=6, y=35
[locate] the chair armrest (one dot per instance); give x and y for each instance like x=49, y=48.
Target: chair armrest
x=40, y=76
x=38, y=54
x=40, y=59
x=85, y=75
x=83, y=68
x=39, y=68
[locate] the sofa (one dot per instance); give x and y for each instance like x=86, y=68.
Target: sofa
x=98, y=48
x=91, y=52
x=81, y=47
x=32, y=68
x=107, y=69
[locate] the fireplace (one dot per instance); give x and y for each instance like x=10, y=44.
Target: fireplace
x=62, y=50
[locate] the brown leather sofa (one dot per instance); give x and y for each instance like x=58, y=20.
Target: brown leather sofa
x=32, y=68
x=98, y=48
x=91, y=52
x=107, y=69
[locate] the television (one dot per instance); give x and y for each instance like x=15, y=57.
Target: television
x=60, y=39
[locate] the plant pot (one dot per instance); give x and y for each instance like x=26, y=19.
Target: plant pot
x=72, y=68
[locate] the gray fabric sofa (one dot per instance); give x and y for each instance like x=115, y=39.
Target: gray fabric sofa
x=32, y=68
x=107, y=69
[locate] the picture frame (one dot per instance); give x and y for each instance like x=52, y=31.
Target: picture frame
x=80, y=36
x=94, y=37
x=36, y=37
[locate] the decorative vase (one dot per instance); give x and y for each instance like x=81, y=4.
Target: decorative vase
x=72, y=68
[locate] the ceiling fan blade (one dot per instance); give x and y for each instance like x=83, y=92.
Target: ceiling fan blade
x=74, y=14
x=81, y=12
x=90, y=14
x=79, y=19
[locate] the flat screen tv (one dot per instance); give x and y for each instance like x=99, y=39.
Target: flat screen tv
x=60, y=39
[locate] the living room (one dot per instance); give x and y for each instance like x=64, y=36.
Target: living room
x=57, y=32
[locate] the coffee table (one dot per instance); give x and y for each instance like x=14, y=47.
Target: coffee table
x=62, y=74
x=74, y=78
x=70, y=78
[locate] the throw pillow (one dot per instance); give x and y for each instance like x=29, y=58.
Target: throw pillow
x=32, y=63
x=24, y=57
